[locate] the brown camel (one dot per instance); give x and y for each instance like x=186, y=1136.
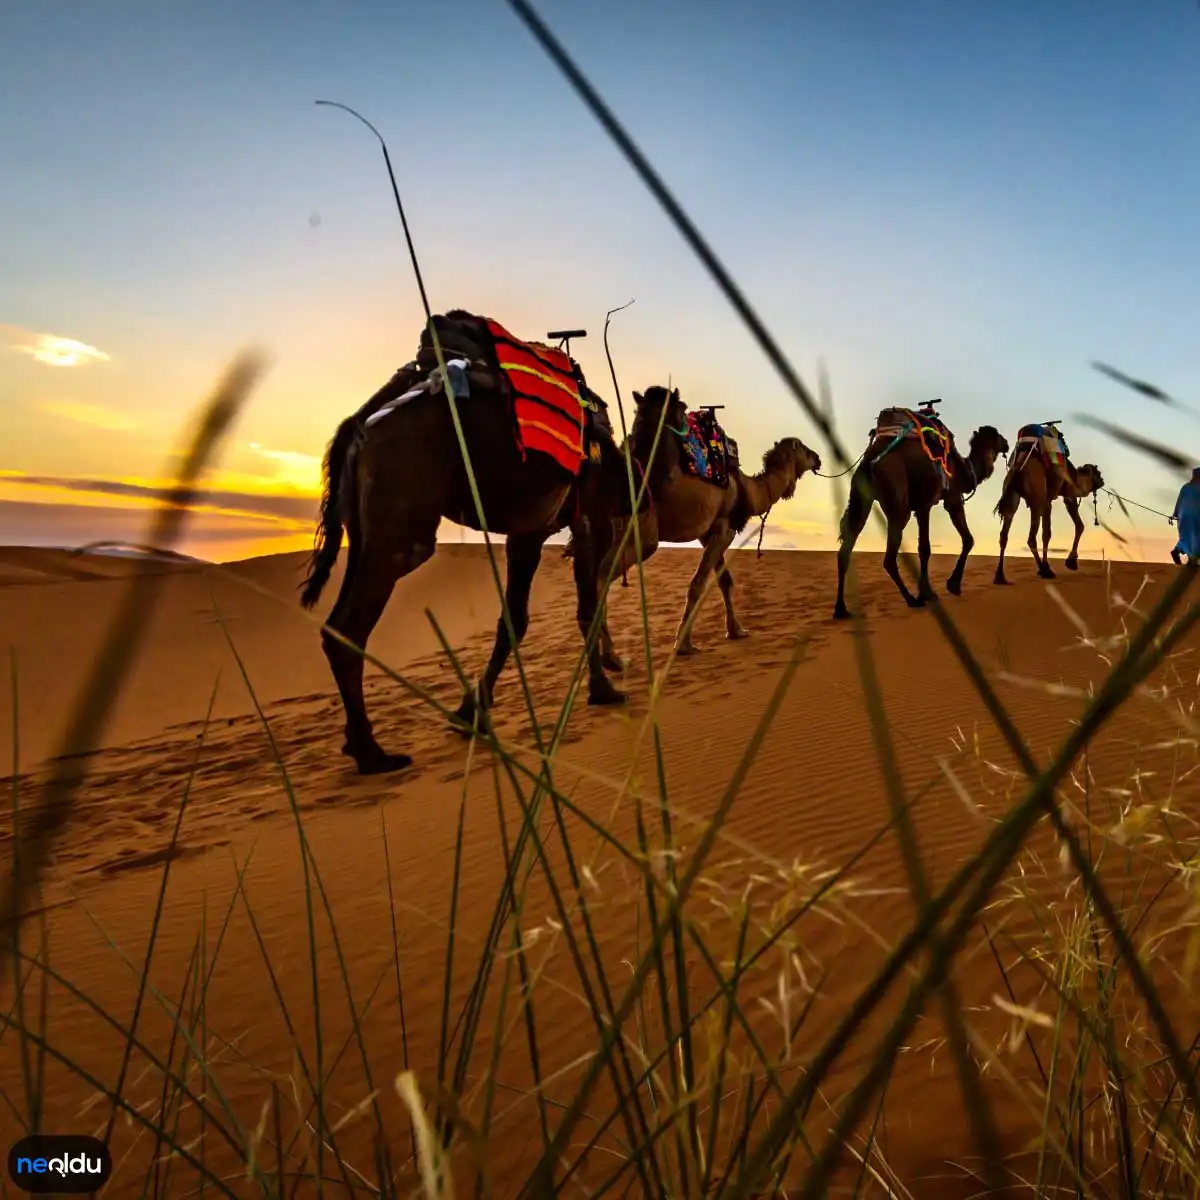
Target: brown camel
x=686, y=508
x=900, y=472
x=1036, y=477
x=391, y=476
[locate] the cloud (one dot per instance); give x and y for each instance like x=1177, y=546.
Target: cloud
x=221, y=536
x=301, y=471
x=293, y=510
x=95, y=415
x=51, y=348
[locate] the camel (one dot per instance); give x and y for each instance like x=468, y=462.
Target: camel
x=899, y=472
x=1034, y=478
x=394, y=469
x=686, y=508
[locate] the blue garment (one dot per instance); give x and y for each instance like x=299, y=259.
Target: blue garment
x=1187, y=515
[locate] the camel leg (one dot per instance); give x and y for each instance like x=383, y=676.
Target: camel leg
x=715, y=545
x=958, y=518
x=891, y=559
x=366, y=588
x=854, y=520
x=1008, y=509
x=1072, y=506
x=925, y=590
x=733, y=627
x=1044, y=568
x=1035, y=519
x=610, y=660
x=523, y=554
x=590, y=551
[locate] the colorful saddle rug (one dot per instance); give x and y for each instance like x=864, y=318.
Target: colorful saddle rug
x=554, y=411
x=709, y=453
x=1047, y=442
x=547, y=390
x=930, y=432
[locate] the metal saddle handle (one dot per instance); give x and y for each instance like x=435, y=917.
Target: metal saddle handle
x=563, y=337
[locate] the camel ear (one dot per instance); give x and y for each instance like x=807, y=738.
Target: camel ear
x=638, y=397
x=675, y=394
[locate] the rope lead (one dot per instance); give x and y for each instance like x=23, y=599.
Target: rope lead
x=762, y=528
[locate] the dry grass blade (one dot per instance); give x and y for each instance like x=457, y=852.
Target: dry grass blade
x=1117, y=537
x=93, y=706
x=1149, y=390
x=986, y=868
x=1165, y=455
x=682, y=222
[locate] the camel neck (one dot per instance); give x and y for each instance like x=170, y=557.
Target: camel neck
x=774, y=483
x=976, y=472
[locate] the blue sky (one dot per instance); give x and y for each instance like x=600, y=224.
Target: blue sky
x=963, y=200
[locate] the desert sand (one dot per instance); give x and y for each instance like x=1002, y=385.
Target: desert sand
x=812, y=799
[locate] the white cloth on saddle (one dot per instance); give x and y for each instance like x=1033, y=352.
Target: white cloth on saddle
x=456, y=368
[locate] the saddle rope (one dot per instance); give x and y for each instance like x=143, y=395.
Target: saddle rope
x=839, y=474
x=762, y=527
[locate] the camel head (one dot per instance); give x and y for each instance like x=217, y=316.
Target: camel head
x=1088, y=479
x=790, y=458
x=650, y=405
x=987, y=445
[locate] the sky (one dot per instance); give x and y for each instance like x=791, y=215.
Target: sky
x=970, y=201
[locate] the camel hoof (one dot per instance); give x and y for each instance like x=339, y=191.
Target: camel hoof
x=610, y=662
x=736, y=635
x=468, y=717
x=377, y=761
x=999, y=578
x=385, y=764
x=842, y=613
x=1072, y=564
x=954, y=587
x=1047, y=574
x=914, y=602
x=605, y=695
x=686, y=650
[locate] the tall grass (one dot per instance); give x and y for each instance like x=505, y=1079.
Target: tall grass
x=720, y=1058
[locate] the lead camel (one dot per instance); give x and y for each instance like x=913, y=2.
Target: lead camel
x=395, y=468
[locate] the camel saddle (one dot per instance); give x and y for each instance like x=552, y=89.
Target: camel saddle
x=709, y=453
x=468, y=336
x=932, y=434
x=1047, y=442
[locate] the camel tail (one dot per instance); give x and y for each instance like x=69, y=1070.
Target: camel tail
x=858, y=507
x=1009, y=479
x=331, y=522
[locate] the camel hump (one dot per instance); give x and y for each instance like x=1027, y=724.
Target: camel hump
x=461, y=334
x=1047, y=440
x=905, y=422
x=930, y=432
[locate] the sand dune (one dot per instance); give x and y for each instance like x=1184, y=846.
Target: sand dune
x=812, y=798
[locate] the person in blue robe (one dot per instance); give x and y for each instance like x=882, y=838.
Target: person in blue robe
x=1187, y=518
